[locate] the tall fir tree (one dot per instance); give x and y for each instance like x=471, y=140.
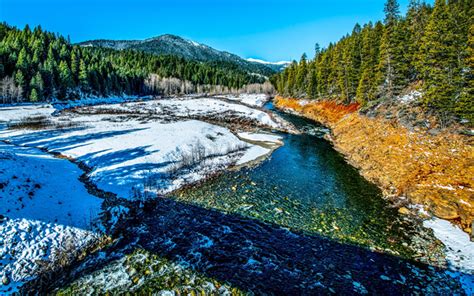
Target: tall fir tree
x=439, y=62
x=389, y=73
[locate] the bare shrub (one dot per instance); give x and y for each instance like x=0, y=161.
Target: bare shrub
x=61, y=260
x=258, y=88
x=40, y=122
x=9, y=92
x=198, y=152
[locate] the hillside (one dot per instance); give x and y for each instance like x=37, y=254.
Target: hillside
x=429, y=49
x=187, y=49
x=37, y=65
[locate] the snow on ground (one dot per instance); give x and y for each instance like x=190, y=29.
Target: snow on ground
x=126, y=155
x=260, y=137
x=37, y=186
x=24, y=242
x=191, y=107
x=252, y=154
x=12, y=113
x=92, y=101
x=255, y=152
x=459, y=251
x=46, y=206
x=257, y=100
x=410, y=97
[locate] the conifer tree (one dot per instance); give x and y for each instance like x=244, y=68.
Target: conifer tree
x=388, y=72
x=34, y=97
x=439, y=59
x=301, y=74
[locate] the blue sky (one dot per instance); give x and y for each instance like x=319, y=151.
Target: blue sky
x=268, y=29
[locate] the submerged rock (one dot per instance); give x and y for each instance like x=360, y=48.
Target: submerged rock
x=404, y=211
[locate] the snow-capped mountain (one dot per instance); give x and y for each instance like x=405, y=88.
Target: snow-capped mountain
x=188, y=49
x=277, y=66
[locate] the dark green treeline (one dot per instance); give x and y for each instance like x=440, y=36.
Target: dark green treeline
x=429, y=49
x=36, y=65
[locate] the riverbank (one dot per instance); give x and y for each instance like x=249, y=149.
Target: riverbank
x=132, y=150
x=411, y=167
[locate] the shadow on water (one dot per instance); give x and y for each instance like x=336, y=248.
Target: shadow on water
x=265, y=258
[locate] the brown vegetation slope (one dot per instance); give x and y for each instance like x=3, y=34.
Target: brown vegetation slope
x=434, y=170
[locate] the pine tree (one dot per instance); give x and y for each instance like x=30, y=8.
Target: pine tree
x=439, y=60
x=34, y=97
x=312, y=83
x=83, y=77
x=65, y=79
x=22, y=62
x=301, y=74
x=20, y=79
x=465, y=106
x=366, y=89
x=416, y=21
x=75, y=66
x=389, y=74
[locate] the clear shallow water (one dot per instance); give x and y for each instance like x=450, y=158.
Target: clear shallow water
x=306, y=185
x=303, y=222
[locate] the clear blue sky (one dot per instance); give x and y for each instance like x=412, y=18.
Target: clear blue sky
x=268, y=29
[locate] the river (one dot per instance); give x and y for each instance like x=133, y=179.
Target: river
x=301, y=222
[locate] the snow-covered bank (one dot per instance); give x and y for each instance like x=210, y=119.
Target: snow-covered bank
x=123, y=155
x=151, y=147
x=37, y=186
x=206, y=108
x=268, y=142
x=25, y=244
x=261, y=137
x=12, y=113
x=459, y=250
x=257, y=100
x=46, y=206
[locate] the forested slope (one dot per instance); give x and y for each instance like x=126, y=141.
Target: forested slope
x=429, y=49
x=37, y=65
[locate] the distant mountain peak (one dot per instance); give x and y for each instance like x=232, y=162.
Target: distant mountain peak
x=169, y=44
x=277, y=66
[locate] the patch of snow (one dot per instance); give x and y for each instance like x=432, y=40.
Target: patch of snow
x=46, y=206
x=260, y=137
x=257, y=100
x=459, y=251
x=280, y=63
x=195, y=43
x=410, y=97
x=23, y=243
x=37, y=186
x=253, y=153
x=303, y=102
x=14, y=113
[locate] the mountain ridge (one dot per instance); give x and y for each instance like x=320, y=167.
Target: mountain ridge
x=169, y=44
